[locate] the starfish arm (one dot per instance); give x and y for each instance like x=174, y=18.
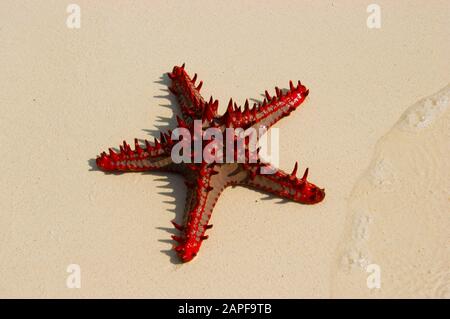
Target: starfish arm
x=267, y=113
x=188, y=95
x=204, y=188
x=283, y=184
x=152, y=157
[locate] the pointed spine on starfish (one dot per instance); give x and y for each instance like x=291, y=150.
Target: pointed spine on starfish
x=228, y=117
x=210, y=110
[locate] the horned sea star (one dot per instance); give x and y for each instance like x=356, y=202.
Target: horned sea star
x=205, y=181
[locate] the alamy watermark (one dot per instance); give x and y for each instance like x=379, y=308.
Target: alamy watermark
x=237, y=146
x=374, y=18
x=73, y=20
x=74, y=279
x=374, y=279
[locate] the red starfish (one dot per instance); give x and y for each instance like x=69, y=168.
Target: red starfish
x=206, y=181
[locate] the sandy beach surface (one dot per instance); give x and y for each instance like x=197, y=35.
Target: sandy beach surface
x=374, y=132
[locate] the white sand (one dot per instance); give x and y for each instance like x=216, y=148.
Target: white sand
x=68, y=94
